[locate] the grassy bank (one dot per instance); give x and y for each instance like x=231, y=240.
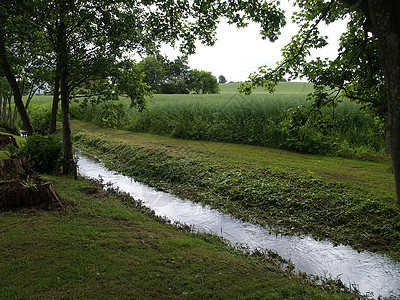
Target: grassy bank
x=346, y=201
x=112, y=248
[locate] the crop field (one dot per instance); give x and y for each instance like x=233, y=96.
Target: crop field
x=236, y=118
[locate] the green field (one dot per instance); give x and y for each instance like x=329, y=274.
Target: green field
x=283, y=88
x=255, y=119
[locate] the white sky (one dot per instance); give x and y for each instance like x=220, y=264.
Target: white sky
x=239, y=52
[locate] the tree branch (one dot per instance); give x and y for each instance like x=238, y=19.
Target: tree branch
x=306, y=38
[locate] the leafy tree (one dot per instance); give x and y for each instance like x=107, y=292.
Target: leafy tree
x=221, y=79
x=176, y=76
x=13, y=53
x=85, y=38
x=202, y=82
x=366, y=69
x=154, y=71
x=165, y=76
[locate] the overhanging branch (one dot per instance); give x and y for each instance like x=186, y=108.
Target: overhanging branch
x=323, y=15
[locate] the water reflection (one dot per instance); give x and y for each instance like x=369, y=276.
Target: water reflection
x=371, y=273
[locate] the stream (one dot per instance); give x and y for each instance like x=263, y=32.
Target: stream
x=371, y=273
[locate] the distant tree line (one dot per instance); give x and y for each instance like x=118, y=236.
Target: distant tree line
x=175, y=77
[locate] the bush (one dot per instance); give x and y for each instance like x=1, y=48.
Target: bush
x=44, y=153
x=113, y=114
x=40, y=118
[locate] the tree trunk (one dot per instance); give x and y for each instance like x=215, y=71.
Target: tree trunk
x=56, y=100
x=30, y=96
x=3, y=112
x=7, y=96
x=15, y=114
x=386, y=28
x=68, y=164
x=15, y=88
x=9, y=118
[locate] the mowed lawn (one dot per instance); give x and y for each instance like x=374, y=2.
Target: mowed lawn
x=112, y=248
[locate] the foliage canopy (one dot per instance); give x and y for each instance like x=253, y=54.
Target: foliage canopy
x=83, y=40
x=355, y=73
x=366, y=69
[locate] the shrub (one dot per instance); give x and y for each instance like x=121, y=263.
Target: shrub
x=44, y=153
x=40, y=118
x=86, y=112
x=113, y=114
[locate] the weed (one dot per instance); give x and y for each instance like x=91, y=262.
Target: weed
x=29, y=183
x=44, y=153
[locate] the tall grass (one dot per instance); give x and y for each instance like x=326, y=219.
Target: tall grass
x=229, y=118
x=254, y=119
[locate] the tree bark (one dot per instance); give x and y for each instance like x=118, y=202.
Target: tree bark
x=68, y=165
x=9, y=111
x=385, y=17
x=56, y=100
x=63, y=57
x=15, y=88
x=15, y=114
x=3, y=112
x=30, y=96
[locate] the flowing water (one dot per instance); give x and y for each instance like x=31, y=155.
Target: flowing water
x=370, y=273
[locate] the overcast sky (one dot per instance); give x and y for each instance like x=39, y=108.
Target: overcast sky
x=239, y=52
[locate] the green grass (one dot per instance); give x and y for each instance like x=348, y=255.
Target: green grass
x=39, y=99
x=283, y=88
x=235, y=118
x=112, y=248
x=4, y=155
x=255, y=119
x=346, y=201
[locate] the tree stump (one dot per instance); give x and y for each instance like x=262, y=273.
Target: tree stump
x=6, y=139
x=14, y=194
x=21, y=187
x=15, y=167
